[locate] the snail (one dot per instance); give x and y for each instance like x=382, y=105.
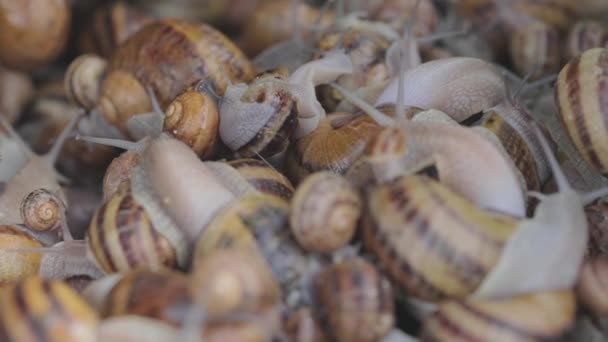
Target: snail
x=34, y=33
x=355, y=302
x=36, y=309
x=189, y=52
x=536, y=45
x=531, y=317
x=580, y=104
x=263, y=177
x=324, y=212
x=16, y=90
x=584, y=35
x=17, y=266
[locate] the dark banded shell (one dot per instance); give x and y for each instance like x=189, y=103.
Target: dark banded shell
x=535, y=48
x=581, y=95
x=585, y=35
x=431, y=242
x=43, y=310
x=325, y=211
x=528, y=318
x=164, y=296
x=355, y=303
x=263, y=177
x=121, y=237
x=339, y=140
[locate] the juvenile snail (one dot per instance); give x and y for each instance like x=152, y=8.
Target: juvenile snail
x=324, y=212
x=34, y=33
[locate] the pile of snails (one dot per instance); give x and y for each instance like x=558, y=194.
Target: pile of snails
x=299, y=170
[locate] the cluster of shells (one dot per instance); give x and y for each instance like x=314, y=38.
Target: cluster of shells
x=291, y=170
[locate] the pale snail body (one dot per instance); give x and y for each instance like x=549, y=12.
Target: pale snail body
x=324, y=213
x=356, y=301
x=459, y=87
x=531, y=317
x=579, y=95
x=44, y=310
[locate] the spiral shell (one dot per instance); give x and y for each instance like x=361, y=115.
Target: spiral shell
x=83, y=79
x=42, y=210
x=536, y=45
x=581, y=98
x=533, y=317
x=355, y=302
x=585, y=35
x=263, y=177
x=42, y=310
x=194, y=119
x=431, y=242
x=15, y=265
x=122, y=237
x=339, y=140
x=324, y=212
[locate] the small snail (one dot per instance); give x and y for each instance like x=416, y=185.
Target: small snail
x=42, y=210
x=118, y=174
x=531, y=317
x=324, y=212
x=354, y=302
x=585, y=35
x=536, y=45
x=34, y=309
x=34, y=33
x=580, y=100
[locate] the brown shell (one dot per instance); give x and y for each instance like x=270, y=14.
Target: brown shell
x=324, y=213
x=592, y=290
x=194, y=119
x=188, y=52
x=15, y=265
x=355, y=302
x=339, y=140
x=258, y=223
x=111, y=25
x=33, y=32
x=165, y=296
x=16, y=90
x=272, y=22
x=42, y=210
x=431, y=242
x=263, y=177
x=585, y=35
x=534, y=317
x=366, y=50
x=83, y=79
x=581, y=97
x=43, y=310
x=121, y=237
x=536, y=48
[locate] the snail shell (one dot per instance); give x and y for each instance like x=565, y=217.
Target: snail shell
x=110, y=26
x=188, y=53
x=536, y=45
x=122, y=237
x=355, y=302
x=532, y=317
x=83, y=78
x=339, y=140
x=42, y=310
x=34, y=32
x=431, y=242
x=118, y=174
x=42, y=210
x=16, y=265
x=585, y=35
x=591, y=291
x=324, y=212
x=580, y=97
x=193, y=118
x=263, y=178
x=397, y=12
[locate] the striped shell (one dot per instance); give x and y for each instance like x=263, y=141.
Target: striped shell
x=122, y=237
x=431, y=242
x=263, y=177
x=334, y=146
x=535, y=49
x=42, y=310
x=324, y=213
x=355, y=302
x=41, y=210
x=14, y=265
x=585, y=35
x=582, y=99
x=531, y=318
x=186, y=51
x=160, y=295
